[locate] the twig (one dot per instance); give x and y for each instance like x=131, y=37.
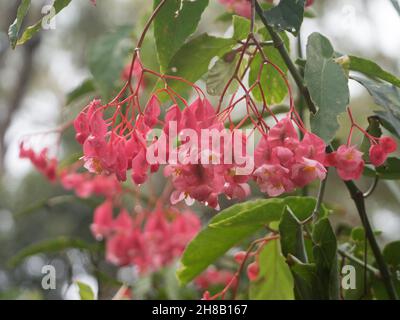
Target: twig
x=370, y=268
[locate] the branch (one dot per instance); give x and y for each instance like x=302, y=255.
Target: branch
x=355, y=193
x=370, y=268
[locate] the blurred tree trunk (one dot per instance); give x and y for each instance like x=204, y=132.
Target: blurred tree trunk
x=18, y=93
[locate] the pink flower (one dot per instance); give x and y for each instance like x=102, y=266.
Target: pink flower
x=240, y=7
x=102, y=220
x=86, y=184
x=377, y=155
x=45, y=165
x=273, y=179
x=348, y=162
x=284, y=162
x=388, y=144
x=307, y=171
x=311, y=147
x=283, y=134
x=253, y=270
x=150, y=244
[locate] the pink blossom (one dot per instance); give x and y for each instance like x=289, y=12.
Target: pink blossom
x=45, y=165
x=102, y=220
x=377, y=155
x=388, y=144
x=348, y=162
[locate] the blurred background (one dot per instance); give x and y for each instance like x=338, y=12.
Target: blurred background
x=35, y=80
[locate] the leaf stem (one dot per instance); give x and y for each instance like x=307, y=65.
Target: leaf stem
x=355, y=193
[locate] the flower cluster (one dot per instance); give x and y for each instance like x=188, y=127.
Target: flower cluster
x=86, y=184
x=111, y=148
x=204, y=170
x=285, y=162
x=43, y=163
x=148, y=240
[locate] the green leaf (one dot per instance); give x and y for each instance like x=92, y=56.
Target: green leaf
x=192, y=60
x=387, y=96
x=373, y=70
x=396, y=5
x=327, y=84
x=219, y=75
x=325, y=255
x=229, y=227
x=275, y=281
x=48, y=246
x=85, y=291
x=389, y=171
x=307, y=283
x=107, y=57
x=58, y=5
x=391, y=253
x=13, y=30
x=272, y=83
x=241, y=27
x=174, y=23
x=286, y=16
x=291, y=231
x=85, y=88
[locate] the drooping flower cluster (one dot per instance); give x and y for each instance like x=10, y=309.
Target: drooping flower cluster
x=86, y=184
x=284, y=162
x=149, y=240
x=205, y=170
x=111, y=148
x=43, y=163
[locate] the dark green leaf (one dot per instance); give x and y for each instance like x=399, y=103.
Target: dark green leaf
x=107, y=58
x=373, y=70
x=174, y=23
x=327, y=84
x=307, y=283
x=192, y=60
x=85, y=88
x=391, y=253
x=13, y=30
x=275, y=281
x=389, y=171
x=388, y=97
x=85, y=291
x=286, y=16
x=48, y=246
x=325, y=255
